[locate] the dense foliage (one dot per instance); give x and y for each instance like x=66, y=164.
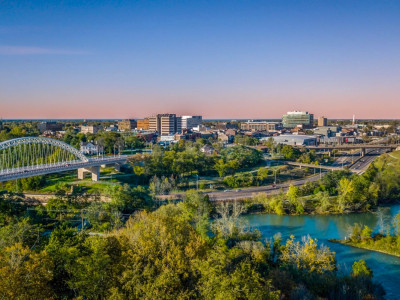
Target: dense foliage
x=174, y=252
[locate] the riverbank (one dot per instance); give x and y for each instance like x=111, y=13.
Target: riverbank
x=365, y=247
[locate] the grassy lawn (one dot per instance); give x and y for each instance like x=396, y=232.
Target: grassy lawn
x=108, y=176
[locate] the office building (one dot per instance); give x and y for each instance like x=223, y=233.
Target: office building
x=298, y=118
x=322, y=121
x=49, y=126
x=165, y=124
x=260, y=126
x=189, y=122
x=127, y=125
x=143, y=124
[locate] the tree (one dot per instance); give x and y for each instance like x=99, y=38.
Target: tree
x=25, y=274
x=361, y=269
x=307, y=256
x=293, y=194
x=161, y=248
x=96, y=271
x=221, y=167
x=198, y=207
x=262, y=173
x=231, y=274
x=346, y=192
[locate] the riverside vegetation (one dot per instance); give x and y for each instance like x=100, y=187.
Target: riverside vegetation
x=173, y=252
x=340, y=191
x=386, y=240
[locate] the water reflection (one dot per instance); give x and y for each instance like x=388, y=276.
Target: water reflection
x=386, y=268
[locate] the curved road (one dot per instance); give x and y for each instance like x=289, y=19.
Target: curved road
x=357, y=165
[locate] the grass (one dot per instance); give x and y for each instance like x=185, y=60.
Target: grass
x=373, y=245
x=108, y=176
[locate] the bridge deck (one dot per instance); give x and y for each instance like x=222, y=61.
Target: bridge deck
x=19, y=173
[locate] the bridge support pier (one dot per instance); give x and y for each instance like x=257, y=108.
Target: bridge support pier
x=362, y=152
x=95, y=171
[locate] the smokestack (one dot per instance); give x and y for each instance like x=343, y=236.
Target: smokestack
x=354, y=119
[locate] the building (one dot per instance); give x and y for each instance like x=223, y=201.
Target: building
x=111, y=128
x=295, y=118
x=207, y=149
x=89, y=148
x=260, y=126
x=226, y=125
x=143, y=124
x=295, y=140
x=189, y=122
x=328, y=131
x=49, y=126
x=127, y=125
x=322, y=121
x=89, y=129
x=165, y=124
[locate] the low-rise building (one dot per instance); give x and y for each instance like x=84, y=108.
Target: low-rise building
x=89, y=129
x=295, y=140
x=89, y=148
x=127, y=125
x=260, y=126
x=143, y=124
x=50, y=126
x=207, y=149
x=328, y=131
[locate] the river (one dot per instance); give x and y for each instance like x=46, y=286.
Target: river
x=386, y=268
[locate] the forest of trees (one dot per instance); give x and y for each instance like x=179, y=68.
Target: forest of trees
x=187, y=250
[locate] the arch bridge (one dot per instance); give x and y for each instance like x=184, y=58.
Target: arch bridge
x=33, y=156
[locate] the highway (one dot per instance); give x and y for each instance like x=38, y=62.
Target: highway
x=355, y=163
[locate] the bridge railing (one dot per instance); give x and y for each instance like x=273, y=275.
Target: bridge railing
x=38, y=167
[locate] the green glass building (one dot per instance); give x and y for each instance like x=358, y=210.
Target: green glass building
x=294, y=118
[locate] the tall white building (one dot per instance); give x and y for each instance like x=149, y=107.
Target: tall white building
x=189, y=122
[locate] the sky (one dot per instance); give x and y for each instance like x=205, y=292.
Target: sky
x=219, y=59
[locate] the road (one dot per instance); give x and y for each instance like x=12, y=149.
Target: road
x=356, y=164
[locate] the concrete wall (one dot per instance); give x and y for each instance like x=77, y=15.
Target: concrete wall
x=44, y=198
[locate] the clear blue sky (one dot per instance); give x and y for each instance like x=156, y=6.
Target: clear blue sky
x=233, y=59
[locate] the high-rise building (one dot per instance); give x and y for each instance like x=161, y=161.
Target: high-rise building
x=322, y=121
x=189, y=122
x=165, y=124
x=298, y=118
x=127, y=125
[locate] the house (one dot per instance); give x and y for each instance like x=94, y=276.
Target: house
x=207, y=149
x=89, y=148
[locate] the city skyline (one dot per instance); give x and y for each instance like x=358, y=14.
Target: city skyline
x=230, y=60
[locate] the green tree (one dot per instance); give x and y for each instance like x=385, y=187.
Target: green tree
x=25, y=274
x=360, y=268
